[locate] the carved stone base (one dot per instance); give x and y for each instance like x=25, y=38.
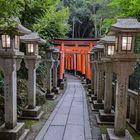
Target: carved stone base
x=89, y=86
x=93, y=109
x=90, y=92
x=111, y=135
x=90, y=100
x=18, y=133
x=98, y=105
x=106, y=117
x=93, y=97
x=100, y=122
x=32, y=114
x=55, y=90
x=62, y=85
x=50, y=96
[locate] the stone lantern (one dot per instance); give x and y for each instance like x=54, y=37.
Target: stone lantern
x=55, y=69
x=10, y=59
x=124, y=59
x=49, y=61
x=107, y=115
x=99, y=76
x=31, y=61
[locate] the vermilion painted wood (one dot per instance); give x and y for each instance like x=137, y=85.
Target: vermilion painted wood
x=80, y=47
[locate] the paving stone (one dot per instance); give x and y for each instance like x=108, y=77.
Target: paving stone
x=63, y=110
x=60, y=119
x=74, y=132
x=54, y=133
x=75, y=110
x=77, y=104
x=43, y=131
x=76, y=119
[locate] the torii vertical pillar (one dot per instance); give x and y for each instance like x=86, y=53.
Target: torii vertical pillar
x=61, y=68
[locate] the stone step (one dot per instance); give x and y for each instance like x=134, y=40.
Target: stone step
x=103, y=122
x=93, y=97
x=111, y=135
x=106, y=117
x=31, y=112
x=13, y=134
x=104, y=137
x=51, y=96
x=98, y=105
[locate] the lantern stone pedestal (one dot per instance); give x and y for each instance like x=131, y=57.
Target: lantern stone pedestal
x=55, y=78
x=119, y=132
x=111, y=136
x=106, y=116
x=91, y=87
x=32, y=114
x=49, y=93
x=9, y=64
x=94, y=97
x=98, y=104
x=32, y=111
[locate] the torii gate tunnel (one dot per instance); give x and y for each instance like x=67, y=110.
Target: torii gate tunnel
x=75, y=56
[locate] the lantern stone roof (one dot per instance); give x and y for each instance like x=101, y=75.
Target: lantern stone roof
x=128, y=24
x=108, y=39
x=42, y=41
x=17, y=28
x=32, y=37
x=99, y=46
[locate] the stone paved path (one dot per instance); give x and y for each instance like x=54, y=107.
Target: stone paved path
x=69, y=120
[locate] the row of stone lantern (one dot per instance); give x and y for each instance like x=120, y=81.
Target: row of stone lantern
x=119, y=58
x=51, y=61
x=10, y=59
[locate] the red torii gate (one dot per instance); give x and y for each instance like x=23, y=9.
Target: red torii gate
x=75, y=56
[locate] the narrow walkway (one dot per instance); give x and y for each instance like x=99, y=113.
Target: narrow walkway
x=69, y=120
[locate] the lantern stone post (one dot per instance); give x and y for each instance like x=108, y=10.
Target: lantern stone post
x=31, y=62
x=55, y=69
x=49, y=64
x=106, y=116
x=10, y=58
x=92, y=70
x=123, y=64
x=98, y=49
